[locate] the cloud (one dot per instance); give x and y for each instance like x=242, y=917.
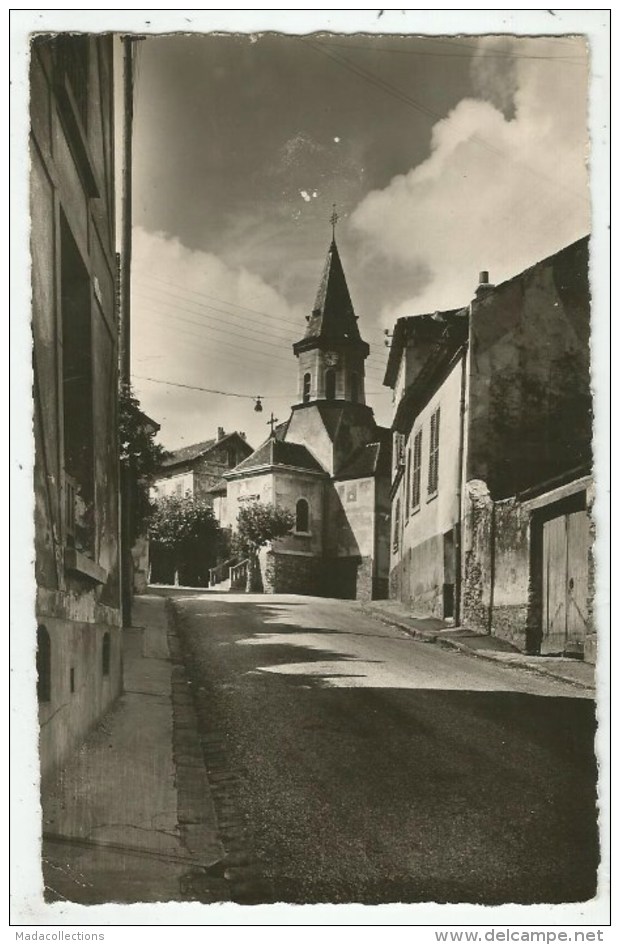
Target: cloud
x=505, y=183
x=199, y=321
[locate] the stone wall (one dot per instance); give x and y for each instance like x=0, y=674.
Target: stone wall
x=496, y=587
x=477, y=563
x=503, y=561
x=343, y=578
x=291, y=574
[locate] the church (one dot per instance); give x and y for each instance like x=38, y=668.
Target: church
x=329, y=463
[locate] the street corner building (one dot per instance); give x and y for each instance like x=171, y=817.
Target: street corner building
x=492, y=488
x=329, y=463
x=75, y=387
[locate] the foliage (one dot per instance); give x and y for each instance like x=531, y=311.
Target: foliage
x=188, y=534
x=183, y=522
x=258, y=523
x=140, y=457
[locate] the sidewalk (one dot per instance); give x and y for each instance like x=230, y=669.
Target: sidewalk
x=482, y=645
x=130, y=818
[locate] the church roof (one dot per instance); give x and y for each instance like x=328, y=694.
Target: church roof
x=332, y=316
x=274, y=452
x=370, y=460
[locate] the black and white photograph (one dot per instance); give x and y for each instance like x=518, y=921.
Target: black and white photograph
x=313, y=485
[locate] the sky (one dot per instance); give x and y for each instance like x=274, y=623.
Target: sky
x=444, y=157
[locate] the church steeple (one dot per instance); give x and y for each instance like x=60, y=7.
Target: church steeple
x=332, y=315
x=332, y=353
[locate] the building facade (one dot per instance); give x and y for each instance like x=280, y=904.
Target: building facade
x=198, y=469
x=493, y=414
x=75, y=387
x=328, y=464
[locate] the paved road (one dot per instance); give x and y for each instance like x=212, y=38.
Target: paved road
x=371, y=767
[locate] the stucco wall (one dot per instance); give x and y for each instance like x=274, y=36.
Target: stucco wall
x=76, y=645
x=306, y=427
x=352, y=426
x=529, y=385
x=289, y=487
x=351, y=518
x=418, y=567
x=75, y=609
x=179, y=484
x=258, y=488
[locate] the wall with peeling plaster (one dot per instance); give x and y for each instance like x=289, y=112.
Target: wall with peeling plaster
x=529, y=427
x=77, y=607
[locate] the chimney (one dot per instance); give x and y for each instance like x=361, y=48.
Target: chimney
x=220, y=433
x=242, y=434
x=483, y=283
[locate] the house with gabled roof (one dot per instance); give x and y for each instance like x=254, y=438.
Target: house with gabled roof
x=199, y=467
x=329, y=463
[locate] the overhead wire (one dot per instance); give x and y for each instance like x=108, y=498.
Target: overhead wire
x=406, y=99
x=209, y=344
x=577, y=60
x=284, y=333
x=227, y=393
x=276, y=318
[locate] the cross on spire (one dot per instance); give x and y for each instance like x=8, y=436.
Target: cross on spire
x=334, y=220
x=272, y=423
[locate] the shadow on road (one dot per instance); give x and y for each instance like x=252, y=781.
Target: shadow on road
x=457, y=786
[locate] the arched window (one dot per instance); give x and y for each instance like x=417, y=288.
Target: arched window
x=306, y=390
x=355, y=387
x=330, y=384
x=105, y=655
x=44, y=665
x=302, y=516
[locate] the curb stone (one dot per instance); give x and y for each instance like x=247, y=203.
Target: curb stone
x=434, y=636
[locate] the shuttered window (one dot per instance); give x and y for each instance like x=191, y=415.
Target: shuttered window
x=416, y=471
x=433, y=455
x=396, y=536
x=408, y=484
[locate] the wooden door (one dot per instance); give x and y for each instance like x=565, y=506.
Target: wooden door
x=578, y=539
x=565, y=580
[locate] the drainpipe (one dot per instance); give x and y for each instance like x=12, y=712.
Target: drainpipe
x=459, y=535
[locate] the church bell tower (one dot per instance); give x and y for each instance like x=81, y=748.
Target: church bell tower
x=331, y=354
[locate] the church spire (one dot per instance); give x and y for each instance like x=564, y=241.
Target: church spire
x=333, y=318
x=332, y=353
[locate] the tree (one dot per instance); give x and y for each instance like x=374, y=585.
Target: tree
x=187, y=528
x=140, y=458
x=257, y=524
